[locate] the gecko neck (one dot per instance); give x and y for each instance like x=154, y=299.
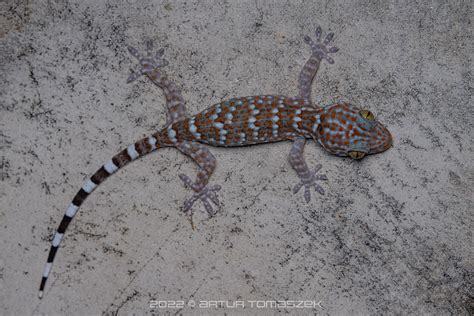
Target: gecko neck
x=310, y=120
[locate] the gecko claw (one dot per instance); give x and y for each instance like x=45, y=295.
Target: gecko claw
x=206, y=195
x=321, y=49
x=310, y=182
x=148, y=62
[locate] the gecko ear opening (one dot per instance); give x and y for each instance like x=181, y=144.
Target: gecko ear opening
x=357, y=155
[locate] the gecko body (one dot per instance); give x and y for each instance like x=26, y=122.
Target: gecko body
x=342, y=129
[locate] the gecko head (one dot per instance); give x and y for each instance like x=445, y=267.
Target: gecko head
x=345, y=130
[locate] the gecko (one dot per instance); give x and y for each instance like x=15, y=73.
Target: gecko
x=342, y=129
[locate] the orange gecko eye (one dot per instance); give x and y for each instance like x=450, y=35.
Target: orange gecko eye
x=356, y=154
x=367, y=115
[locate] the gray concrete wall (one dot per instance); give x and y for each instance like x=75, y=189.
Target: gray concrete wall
x=393, y=234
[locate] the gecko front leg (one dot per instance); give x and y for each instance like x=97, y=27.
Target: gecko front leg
x=307, y=177
x=207, y=163
x=319, y=51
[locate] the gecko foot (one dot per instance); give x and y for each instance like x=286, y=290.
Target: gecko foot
x=321, y=49
x=206, y=194
x=310, y=181
x=148, y=62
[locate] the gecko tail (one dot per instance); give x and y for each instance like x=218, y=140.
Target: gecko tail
x=134, y=151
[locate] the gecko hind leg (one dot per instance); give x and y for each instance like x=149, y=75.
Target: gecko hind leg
x=202, y=191
x=307, y=177
x=148, y=62
x=151, y=65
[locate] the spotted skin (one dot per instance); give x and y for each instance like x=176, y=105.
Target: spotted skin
x=342, y=129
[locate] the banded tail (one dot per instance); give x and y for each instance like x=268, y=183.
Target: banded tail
x=134, y=151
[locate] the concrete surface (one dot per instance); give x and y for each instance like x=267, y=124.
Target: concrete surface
x=393, y=234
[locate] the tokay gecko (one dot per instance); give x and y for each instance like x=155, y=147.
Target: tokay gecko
x=342, y=129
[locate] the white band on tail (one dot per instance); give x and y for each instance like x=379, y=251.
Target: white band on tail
x=110, y=167
x=132, y=152
x=47, y=269
x=152, y=142
x=71, y=210
x=89, y=186
x=57, y=239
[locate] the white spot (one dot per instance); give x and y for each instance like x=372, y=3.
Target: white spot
x=295, y=126
x=152, y=142
x=110, y=167
x=218, y=125
x=274, y=110
x=223, y=132
x=275, y=126
x=255, y=134
x=251, y=106
x=232, y=108
x=242, y=135
x=255, y=112
x=47, y=269
x=297, y=119
x=252, y=119
x=57, y=239
x=229, y=116
x=214, y=117
x=89, y=186
x=298, y=112
x=171, y=132
x=192, y=128
x=275, y=118
x=132, y=152
x=252, y=126
x=218, y=109
x=71, y=210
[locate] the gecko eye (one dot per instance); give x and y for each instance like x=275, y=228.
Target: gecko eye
x=367, y=115
x=356, y=154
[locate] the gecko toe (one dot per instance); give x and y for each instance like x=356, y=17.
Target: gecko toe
x=329, y=38
x=318, y=33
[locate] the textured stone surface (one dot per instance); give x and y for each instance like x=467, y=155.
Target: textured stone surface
x=392, y=235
